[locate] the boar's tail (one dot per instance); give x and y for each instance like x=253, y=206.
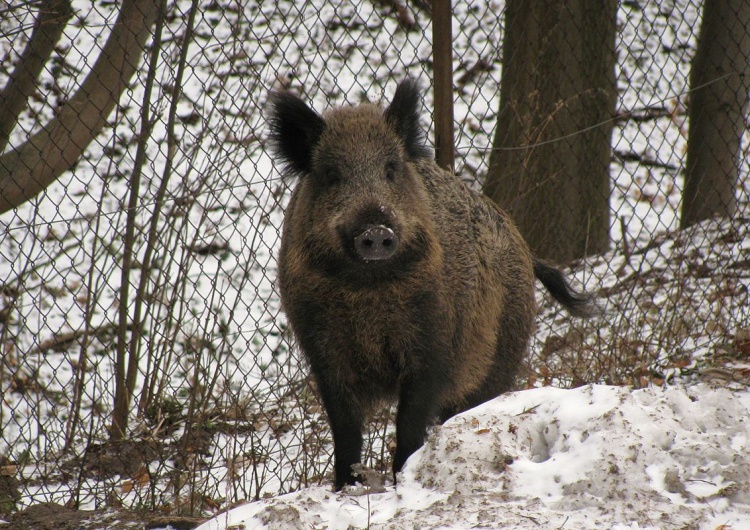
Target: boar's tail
x=577, y=304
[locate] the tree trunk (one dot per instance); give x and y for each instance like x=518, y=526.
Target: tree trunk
x=22, y=83
x=30, y=168
x=550, y=163
x=719, y=80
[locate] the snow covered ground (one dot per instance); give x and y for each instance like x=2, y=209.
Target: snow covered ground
x=593, y=457
x=671, y=308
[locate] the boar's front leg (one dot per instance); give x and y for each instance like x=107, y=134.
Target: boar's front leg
x=346, y=424
x=345, y=415
x=417, y=410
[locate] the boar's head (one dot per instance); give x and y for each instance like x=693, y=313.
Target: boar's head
x=360, y=209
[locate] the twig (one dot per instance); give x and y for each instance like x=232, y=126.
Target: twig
x=63, y=341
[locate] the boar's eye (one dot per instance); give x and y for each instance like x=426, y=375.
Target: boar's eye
x=390, y=172
x=331, y=176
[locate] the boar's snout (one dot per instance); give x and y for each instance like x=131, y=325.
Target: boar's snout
x=376, y=243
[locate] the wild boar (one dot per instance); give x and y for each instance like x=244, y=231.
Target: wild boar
x=398, y=281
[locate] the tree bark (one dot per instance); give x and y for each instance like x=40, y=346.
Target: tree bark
x=37, y=163
x=550, y=162
x=720, y=81
x=48, y=28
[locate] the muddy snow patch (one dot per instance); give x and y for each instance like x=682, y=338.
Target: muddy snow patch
x=592, y=457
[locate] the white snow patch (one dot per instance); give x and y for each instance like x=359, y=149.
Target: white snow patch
x=592, y=457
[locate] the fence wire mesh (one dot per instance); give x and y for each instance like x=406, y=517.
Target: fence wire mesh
x=145, y=358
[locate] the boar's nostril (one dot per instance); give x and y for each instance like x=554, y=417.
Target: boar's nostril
x=376, y=243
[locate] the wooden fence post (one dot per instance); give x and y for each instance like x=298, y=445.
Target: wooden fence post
x=442, y=63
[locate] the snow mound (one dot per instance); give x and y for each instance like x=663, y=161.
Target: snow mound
x=591, y=457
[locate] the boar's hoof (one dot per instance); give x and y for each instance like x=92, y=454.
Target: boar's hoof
x=376, y=243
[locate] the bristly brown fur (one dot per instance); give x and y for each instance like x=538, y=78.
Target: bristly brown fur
x=442, y=324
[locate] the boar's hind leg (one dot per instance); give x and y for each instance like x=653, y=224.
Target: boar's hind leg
x=501, y=377
x=488, y=391
x=491, y=388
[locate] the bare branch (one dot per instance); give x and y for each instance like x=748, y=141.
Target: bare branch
x=29, y=169
x=53, y=16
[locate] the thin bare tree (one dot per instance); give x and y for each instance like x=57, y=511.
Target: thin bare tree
x=31, y=167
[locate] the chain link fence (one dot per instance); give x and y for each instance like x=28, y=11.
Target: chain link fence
x=145, y=358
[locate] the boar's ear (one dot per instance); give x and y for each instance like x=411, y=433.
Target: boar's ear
x=295, y=130
x=403, y=116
